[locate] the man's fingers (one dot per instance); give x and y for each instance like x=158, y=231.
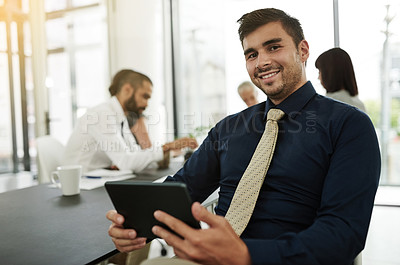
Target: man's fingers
x=125, y=240
x=110, y=214
x=191, y=142
x=170, y=238
x=124, y=245
x=140, y=241
x=174, y=224
x=116, y=231
x=202, y=214
x=180, y=254
x=113, y=216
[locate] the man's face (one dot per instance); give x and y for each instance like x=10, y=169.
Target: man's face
x=273, y=62
x=249, y=97
x=138, y=102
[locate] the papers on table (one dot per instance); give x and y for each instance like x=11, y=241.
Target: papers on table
x=160, y=179
x=96, y=178
x=106, y=173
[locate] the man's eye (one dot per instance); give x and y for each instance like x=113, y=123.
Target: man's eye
x=273, y=48
x=251, y=55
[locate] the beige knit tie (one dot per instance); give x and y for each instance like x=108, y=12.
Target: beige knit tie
x=247, y=191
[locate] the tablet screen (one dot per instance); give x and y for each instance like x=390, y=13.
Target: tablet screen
x=137, y=201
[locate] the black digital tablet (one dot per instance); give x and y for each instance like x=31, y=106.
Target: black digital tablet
x=137, y=201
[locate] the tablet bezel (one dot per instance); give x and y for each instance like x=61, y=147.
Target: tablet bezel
x=137, y=201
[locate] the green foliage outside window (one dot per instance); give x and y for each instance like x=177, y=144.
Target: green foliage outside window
x=374, y=111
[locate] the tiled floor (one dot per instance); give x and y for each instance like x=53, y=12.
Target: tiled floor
x=16, y=181
x=383, y=242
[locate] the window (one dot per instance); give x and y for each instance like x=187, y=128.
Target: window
x=210, y=64
x=200, y=65
x=16, y=87
x=209, y=56
x=77, y=71
x=377, y=75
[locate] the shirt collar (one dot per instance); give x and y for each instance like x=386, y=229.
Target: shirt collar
x=294, y=102
x=117, y=108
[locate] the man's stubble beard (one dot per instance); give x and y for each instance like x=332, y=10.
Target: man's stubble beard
x=291, y=78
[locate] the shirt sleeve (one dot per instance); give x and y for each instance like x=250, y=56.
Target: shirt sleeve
x=201, y=180
x=107, y=136
x=340, y=228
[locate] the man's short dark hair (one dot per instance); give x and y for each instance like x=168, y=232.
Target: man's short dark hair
x=251, y=21
x=135, y=79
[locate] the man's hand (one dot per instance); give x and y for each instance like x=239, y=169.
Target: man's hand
x=218, y=244
x=125, y=240
x=141, y=133
x=180, y=143
x=162, y=164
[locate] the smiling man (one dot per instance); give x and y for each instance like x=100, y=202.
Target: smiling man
x=275, y=65
x=314, y=205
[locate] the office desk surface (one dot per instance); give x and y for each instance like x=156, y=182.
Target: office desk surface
x=40, y=226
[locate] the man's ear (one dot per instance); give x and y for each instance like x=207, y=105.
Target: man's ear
x=304, y=50
x=127, y=90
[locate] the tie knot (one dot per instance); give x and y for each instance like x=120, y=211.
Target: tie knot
x=275, y=114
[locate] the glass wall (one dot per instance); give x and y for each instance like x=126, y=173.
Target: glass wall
x=5, y=108
x=208, y=63
x=77, y=61
x=200, y=65
x=209, y=57
x=211, y=64
x=16, y=87
x=373, y=42
x=77, y=69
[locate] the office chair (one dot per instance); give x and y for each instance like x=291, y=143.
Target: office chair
x=49, y=156
x=358, y=259
x=211, y=202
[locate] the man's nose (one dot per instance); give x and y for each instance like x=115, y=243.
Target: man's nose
x=146, y=103
x=263, y=59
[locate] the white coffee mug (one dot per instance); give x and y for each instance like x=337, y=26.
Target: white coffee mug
x=67, y=178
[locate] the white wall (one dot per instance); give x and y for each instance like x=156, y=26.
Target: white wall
x=37, y=19
x=136, y=30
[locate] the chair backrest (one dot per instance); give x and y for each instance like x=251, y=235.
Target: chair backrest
x=212, y=201
x=358, y=260
x=49, y=156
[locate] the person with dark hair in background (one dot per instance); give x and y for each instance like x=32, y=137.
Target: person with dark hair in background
x=103, y=137
x=136, y=120
x=336, y=74
x=248, y=93
x=311, y=191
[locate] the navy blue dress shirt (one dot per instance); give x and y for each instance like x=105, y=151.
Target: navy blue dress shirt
x=316, y=201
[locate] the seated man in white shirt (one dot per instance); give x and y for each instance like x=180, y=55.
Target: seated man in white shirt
x=102, y=137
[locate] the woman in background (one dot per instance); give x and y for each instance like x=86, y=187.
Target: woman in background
x=337, y=76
